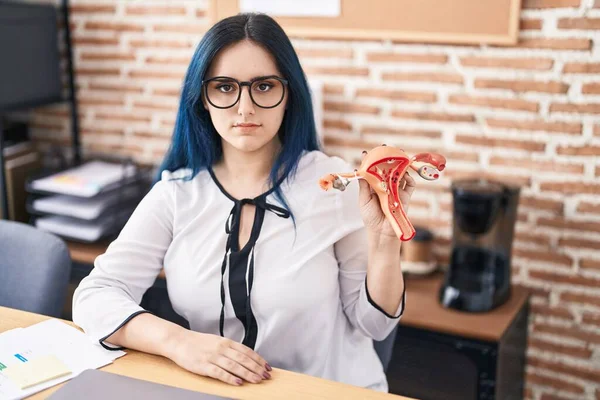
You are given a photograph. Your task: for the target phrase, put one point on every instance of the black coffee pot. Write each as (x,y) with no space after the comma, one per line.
(479,275)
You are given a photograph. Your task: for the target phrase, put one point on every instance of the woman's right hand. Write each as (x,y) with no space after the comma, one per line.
(218,357)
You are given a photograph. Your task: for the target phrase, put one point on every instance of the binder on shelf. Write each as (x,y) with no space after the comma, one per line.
(18,148)
(22,161)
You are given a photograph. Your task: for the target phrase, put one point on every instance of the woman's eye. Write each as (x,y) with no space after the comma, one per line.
(225,88)
(263,87)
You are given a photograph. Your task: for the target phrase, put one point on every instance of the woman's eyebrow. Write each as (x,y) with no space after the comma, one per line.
(256,78)
(263,77)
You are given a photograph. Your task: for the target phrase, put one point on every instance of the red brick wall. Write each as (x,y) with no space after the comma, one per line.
(529,114)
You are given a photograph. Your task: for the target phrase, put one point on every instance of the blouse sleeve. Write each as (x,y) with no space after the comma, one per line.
(110,295)
(351,252)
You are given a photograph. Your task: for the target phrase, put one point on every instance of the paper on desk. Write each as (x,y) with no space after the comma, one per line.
(61,334)
(51,337)
(10,333)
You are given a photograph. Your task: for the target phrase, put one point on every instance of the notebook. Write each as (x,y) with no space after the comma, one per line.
(36,371)
(93,384)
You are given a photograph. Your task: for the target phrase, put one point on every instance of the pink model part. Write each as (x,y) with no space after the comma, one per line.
(383,168)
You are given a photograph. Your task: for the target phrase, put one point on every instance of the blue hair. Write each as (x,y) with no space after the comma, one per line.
(196,144)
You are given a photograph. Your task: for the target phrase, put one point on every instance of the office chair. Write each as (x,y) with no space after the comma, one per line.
(35,268)
(385,348)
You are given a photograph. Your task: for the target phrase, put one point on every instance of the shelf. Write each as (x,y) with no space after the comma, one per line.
(424,311)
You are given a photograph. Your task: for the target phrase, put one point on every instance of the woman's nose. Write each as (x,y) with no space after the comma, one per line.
(245,106)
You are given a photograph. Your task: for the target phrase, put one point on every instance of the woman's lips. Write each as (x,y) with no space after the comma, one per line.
(246,127)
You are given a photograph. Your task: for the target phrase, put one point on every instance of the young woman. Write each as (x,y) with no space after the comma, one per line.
(266,267)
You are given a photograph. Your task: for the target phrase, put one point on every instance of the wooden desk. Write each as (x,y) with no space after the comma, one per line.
(157,369)
(427,313)
(87,253)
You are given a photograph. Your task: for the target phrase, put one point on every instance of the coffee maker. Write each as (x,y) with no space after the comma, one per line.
(479,275)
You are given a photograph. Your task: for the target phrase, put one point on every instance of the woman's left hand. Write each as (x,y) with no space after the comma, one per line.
(373,217)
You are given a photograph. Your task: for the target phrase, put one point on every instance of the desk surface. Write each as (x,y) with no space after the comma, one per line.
(423,308)
(86,253)
(424,311)
(157,369)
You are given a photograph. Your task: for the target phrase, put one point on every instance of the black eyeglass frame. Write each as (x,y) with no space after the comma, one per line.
(241,86)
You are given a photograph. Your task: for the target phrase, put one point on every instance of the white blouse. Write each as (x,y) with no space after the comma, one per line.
(309,310)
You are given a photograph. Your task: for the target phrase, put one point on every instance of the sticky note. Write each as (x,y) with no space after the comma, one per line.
(35,371)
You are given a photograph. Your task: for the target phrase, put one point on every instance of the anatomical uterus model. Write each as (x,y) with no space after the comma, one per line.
(383,168)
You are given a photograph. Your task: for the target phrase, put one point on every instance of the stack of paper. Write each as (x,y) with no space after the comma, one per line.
(87,231)
(85,208)
(89,202)
(87,180)
(43,355)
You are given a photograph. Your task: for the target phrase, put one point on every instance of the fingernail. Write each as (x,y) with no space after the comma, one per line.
(238,381)
(268,367)
(267,375)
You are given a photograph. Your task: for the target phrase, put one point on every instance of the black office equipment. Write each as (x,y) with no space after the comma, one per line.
(478,277)
(442,353)
(30,67)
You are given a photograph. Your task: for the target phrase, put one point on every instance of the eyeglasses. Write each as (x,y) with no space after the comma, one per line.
(225,92)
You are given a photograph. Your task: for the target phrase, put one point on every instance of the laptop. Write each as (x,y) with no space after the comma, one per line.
(93,384)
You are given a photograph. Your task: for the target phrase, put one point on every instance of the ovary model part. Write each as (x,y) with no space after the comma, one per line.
(383,168)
